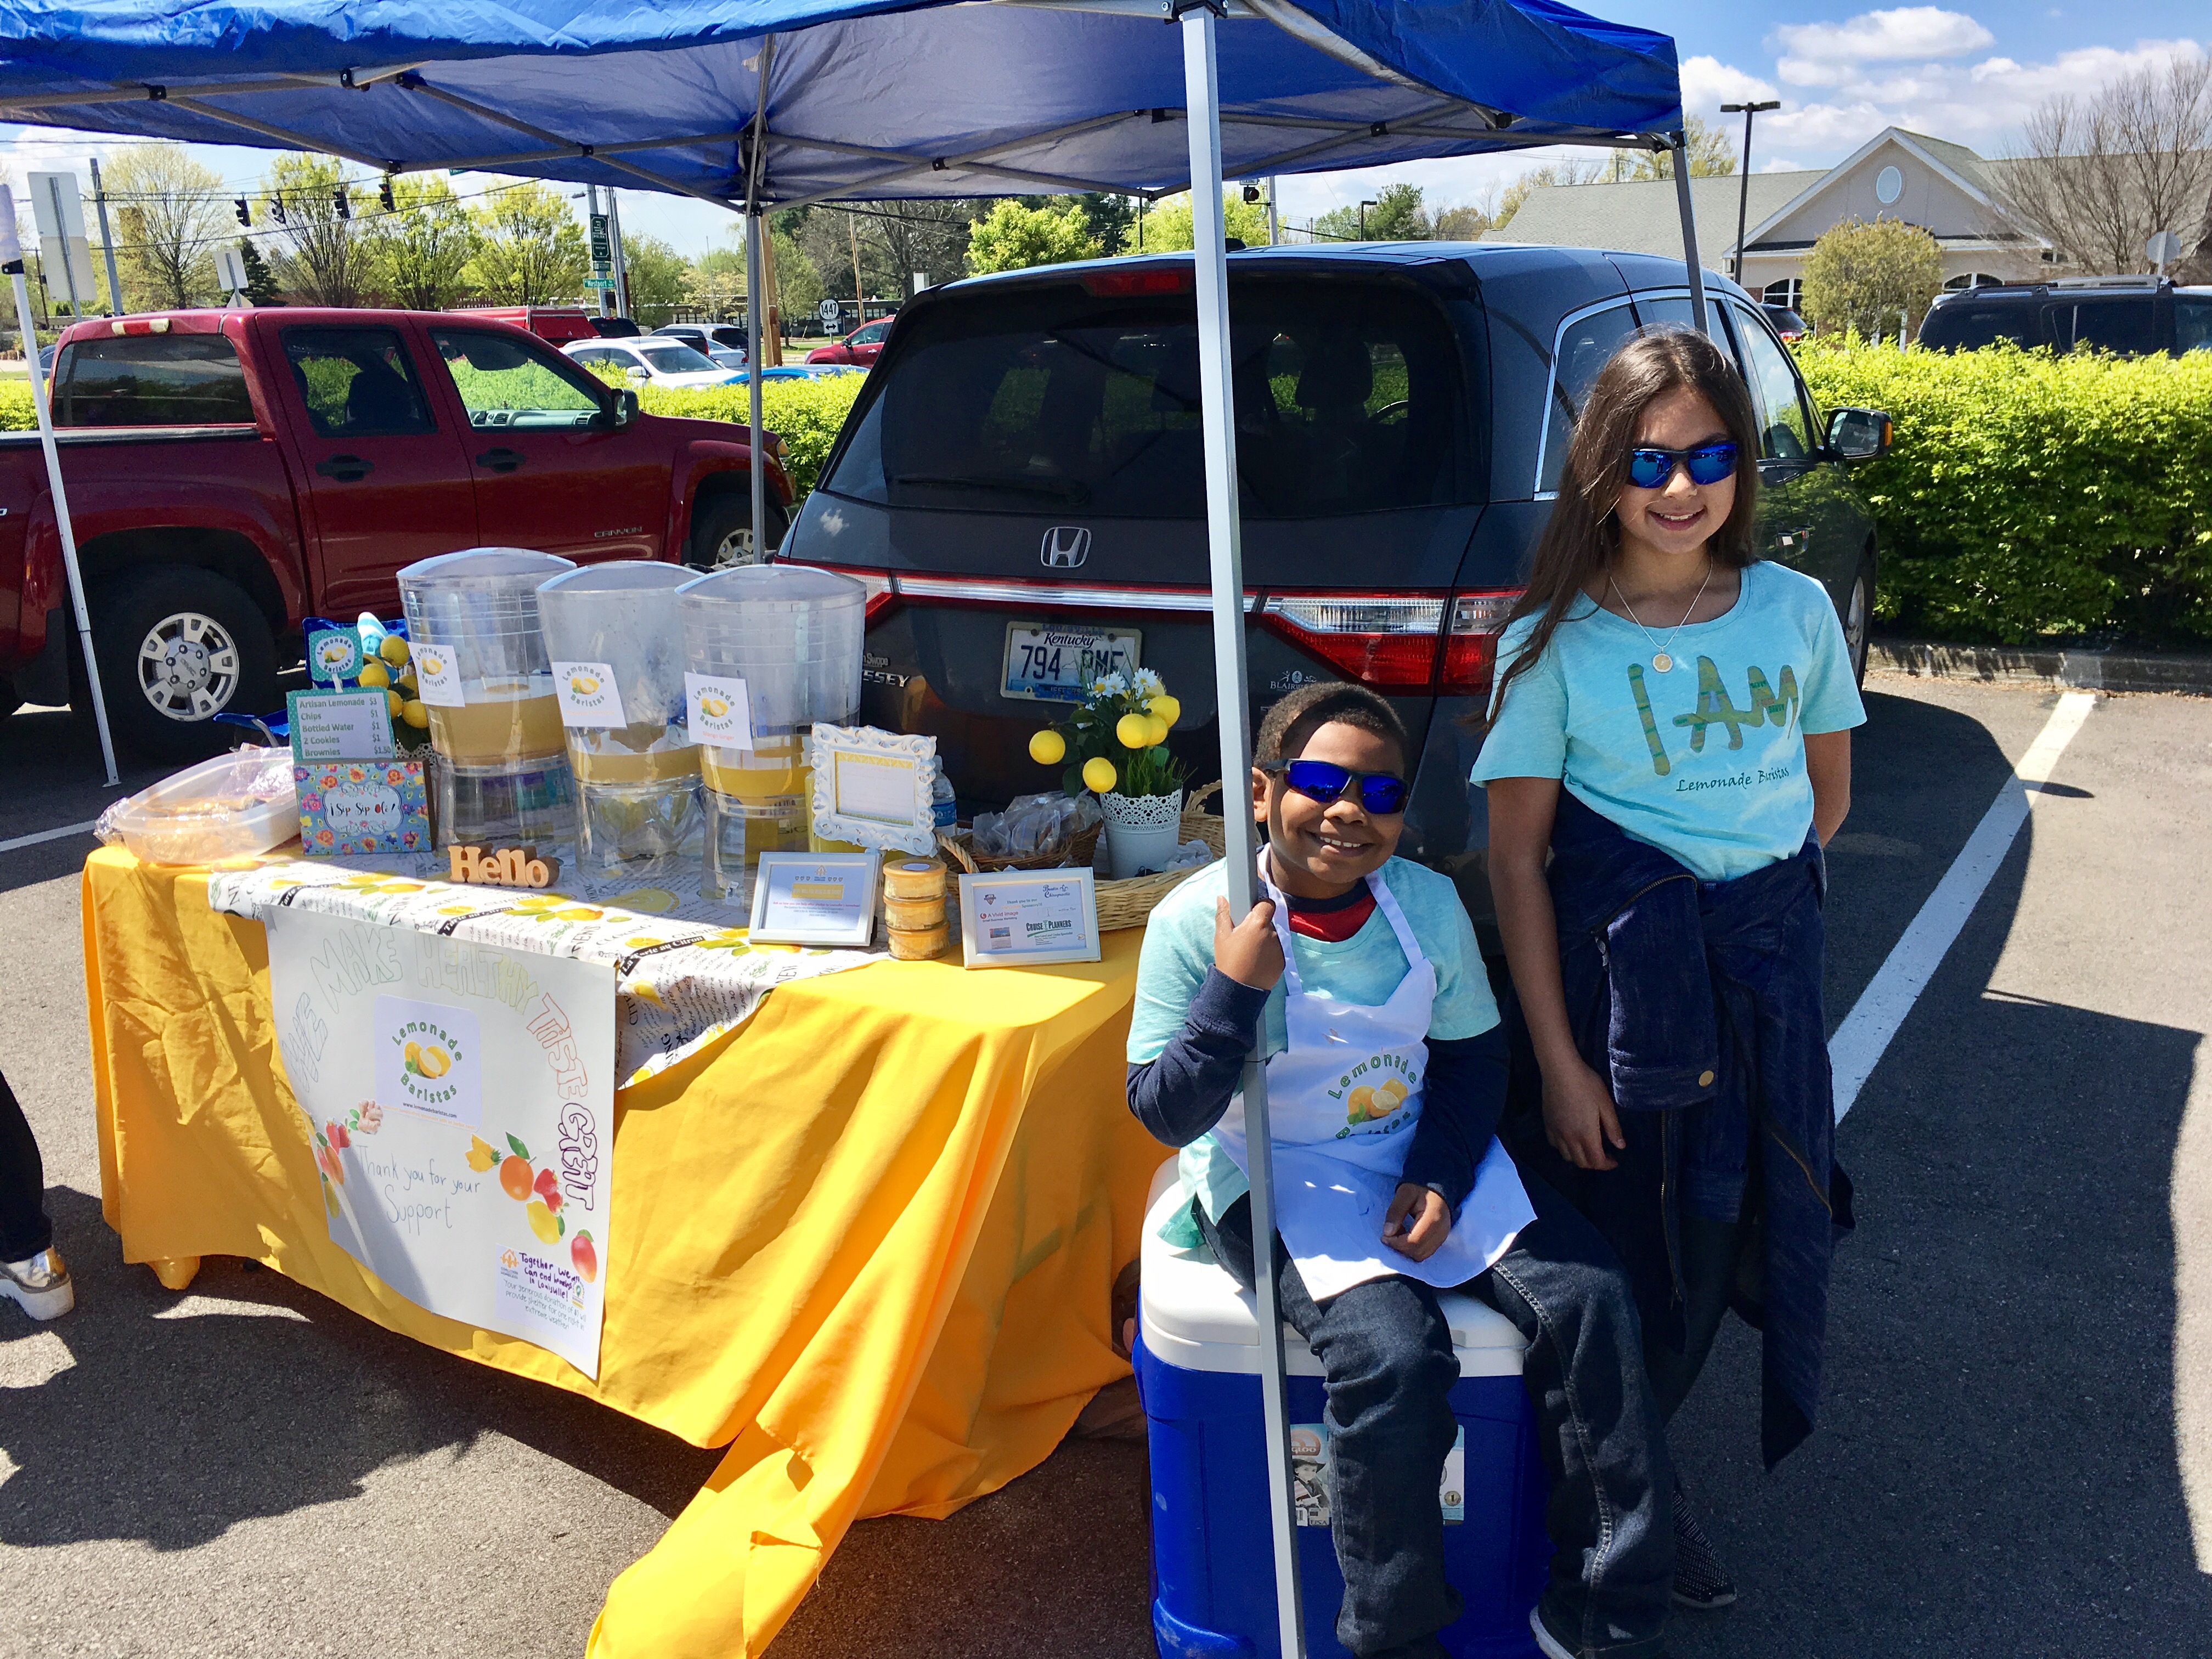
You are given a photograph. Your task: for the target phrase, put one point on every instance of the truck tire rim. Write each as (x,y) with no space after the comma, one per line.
(735,548)
(188,666)
(1854,623)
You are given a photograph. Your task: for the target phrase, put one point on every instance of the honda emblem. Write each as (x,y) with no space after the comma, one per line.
(1066,546)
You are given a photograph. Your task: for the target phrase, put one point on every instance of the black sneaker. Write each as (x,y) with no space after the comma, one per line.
(1552,1644)
(1700,1580)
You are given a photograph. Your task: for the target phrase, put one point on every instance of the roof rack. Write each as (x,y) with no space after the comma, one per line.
(2113,282)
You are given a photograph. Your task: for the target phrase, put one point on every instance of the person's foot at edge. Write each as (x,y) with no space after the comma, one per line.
(40,1282)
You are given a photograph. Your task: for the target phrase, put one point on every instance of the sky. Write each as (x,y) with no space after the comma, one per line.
(1970,75)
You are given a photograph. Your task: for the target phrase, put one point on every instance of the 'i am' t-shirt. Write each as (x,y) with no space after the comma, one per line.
(1704,761)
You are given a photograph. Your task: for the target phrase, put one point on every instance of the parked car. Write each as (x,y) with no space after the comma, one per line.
(231,472)
(862,346)
(1020,487)
(650,361)
(725,342)
(2131,315)
(616,328)
(1787,323)
(559,323)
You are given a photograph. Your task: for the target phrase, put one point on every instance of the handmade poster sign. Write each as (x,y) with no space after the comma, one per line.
(378,807)
(461,1099)
(815,898)
(872,787)
(1026,918)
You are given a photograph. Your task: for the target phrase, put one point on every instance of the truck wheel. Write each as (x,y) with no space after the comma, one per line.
(722,533)
(177,647)
(1858,619)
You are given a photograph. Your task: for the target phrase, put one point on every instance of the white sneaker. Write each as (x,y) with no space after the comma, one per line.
(42,1283)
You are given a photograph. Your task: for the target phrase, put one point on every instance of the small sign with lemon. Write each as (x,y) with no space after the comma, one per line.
(426,1059)
(587,695)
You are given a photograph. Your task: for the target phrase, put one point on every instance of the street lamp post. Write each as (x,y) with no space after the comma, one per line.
(1364,206)
(1743,187)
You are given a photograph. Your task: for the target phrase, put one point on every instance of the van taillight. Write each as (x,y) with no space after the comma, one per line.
(1389,640)
(1471,641)
(883,593)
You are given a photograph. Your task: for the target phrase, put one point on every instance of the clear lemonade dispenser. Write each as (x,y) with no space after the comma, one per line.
(501,771)
(616,649)
(770,650)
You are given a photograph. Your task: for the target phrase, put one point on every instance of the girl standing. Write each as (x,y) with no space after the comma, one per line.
(1672,728)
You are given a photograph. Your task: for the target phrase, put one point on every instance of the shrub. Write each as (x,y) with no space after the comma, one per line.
(2029,496)
(804,413)
(1861,277)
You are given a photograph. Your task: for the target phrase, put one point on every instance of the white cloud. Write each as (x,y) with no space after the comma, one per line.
(1906,32)
(1707,83)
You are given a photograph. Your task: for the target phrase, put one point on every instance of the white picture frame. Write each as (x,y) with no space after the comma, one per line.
(872,787)
(1058,926)
(784,913)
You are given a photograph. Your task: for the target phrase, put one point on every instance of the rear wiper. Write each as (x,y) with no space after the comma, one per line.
(1058,488)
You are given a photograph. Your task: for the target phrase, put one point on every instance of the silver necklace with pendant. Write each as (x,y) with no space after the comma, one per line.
(1662,657)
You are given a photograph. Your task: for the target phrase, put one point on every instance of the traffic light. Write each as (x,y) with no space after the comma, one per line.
(276,209)
(383,195)
(342,202)
(1251,192)
(245,213)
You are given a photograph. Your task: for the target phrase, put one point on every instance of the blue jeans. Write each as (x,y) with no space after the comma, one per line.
(1386,1358)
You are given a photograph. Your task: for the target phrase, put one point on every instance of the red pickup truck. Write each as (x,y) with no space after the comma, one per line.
(232,472)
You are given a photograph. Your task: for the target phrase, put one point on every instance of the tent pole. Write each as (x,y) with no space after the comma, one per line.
(1701,317)
(1224,547)
(757,357)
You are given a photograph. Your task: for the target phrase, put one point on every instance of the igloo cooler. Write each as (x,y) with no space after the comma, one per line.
(1198,1371)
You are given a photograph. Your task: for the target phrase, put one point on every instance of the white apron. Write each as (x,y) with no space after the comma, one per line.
(1342,1101)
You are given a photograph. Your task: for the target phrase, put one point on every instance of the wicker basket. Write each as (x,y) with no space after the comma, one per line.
(1120,903)
(959,847)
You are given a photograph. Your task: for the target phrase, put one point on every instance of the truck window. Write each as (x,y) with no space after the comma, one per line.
(506,382)
(1022,398)
(151,379)
(2192,322)
(357,382)
(2123,323)
(1971,325)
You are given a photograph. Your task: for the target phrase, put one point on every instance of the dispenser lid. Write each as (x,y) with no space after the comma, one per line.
(780,584)
(617,576)
(498,565)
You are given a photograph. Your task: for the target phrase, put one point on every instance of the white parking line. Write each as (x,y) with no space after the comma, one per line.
(45,834)
(1865,1034)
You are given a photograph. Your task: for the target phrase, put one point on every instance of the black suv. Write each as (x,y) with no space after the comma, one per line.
(2135,316)
(1020,486)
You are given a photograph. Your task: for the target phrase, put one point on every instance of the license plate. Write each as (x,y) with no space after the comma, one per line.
(1051,662)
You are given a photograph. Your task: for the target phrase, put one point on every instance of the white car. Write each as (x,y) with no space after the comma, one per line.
(648,362)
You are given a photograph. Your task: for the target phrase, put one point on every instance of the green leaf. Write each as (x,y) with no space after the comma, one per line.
(520,1151)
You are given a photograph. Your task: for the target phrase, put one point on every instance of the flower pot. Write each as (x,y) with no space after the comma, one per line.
(1142,831)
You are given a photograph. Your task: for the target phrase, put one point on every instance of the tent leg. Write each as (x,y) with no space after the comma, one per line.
(1224,547)
(755,358)
(1697,308)
(61,511)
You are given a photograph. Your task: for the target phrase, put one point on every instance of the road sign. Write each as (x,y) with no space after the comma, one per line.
(829,311)
(603,252)
(73,281)
(2162,250)
(230,272)
(55,203)
(598,281)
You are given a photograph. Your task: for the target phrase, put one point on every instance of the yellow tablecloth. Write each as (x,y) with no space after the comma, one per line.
(867,1240)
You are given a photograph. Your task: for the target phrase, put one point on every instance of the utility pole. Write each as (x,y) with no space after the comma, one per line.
(1364,206)
(859,304)
(621,265)
(107,243)
(1743,185)
(1274,224)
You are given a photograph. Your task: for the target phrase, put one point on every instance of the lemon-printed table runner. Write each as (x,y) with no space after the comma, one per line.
(680,981)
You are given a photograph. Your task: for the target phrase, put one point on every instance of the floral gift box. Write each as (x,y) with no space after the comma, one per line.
(363,806)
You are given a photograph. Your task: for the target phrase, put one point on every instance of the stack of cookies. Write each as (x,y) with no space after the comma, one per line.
(913,908)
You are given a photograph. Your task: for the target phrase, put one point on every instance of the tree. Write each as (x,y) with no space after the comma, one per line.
(261,288)
(2099,175)
(417,253)
(1712,153)
(530,249)
(836,242)
(1016,238)
(717,283)
(1167,225)
(1862,277)
(799,284)
(1464,223)
(1113,219)
(660,280)
(1395,215)
(171,216)
(1570,170)
(319,256)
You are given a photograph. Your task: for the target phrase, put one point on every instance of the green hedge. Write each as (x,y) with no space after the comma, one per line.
(804,413)
(2030,497)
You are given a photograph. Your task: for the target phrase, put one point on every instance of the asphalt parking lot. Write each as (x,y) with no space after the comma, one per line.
(2016,1457)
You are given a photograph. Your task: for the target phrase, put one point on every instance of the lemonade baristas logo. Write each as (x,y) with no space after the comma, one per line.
(587,695)
(429,1051)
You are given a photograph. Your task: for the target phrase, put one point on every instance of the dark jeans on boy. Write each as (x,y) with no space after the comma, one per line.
(1386,1354)
(24,1229)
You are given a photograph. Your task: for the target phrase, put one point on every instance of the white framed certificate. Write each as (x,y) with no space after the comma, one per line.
(872,787)
(816,898)
(1027,918)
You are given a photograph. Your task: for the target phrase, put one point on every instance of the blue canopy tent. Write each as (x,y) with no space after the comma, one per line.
(754,105)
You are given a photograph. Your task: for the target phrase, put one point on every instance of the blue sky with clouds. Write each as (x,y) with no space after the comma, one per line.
(1969,74)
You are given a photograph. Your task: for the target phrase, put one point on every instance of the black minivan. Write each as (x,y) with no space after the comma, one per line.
(2133,316)
(1020,485)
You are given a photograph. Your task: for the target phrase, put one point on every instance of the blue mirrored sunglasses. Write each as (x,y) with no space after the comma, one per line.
(1651,469)
(1380,792)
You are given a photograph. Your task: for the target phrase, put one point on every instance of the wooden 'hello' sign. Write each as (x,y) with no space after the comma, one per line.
(503,866)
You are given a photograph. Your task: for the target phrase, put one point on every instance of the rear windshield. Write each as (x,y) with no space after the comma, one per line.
(1973,324)
(1021,400)
(151,379)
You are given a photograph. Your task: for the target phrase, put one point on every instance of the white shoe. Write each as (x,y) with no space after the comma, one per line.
(42,1283)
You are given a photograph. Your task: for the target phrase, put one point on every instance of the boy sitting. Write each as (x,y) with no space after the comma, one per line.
(1385,1074)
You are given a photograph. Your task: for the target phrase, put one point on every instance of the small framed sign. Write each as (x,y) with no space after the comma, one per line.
(1026,918)
(328,725)
(872,787)
(815,898)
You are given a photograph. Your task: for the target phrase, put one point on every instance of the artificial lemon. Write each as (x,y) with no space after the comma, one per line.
(1158,728)
(1134,731)
(1047,747)
(393,650)
(1165,707)
(397,703)
(415,714)
(1099,774)
(376,674)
